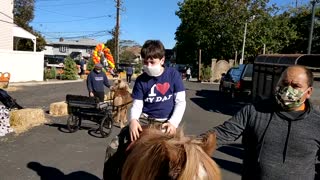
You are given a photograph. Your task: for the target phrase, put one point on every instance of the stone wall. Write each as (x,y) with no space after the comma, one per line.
(218,67)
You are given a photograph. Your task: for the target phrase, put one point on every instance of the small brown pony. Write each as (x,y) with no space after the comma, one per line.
(156,155)
(121,101)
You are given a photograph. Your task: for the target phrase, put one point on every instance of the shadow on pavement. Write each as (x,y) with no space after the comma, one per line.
(51,173)
(215,101)
(61,127)
(229,166)
(94,132)
(234,150)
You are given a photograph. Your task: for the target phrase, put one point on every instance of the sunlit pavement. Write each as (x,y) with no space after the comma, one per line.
(48,152)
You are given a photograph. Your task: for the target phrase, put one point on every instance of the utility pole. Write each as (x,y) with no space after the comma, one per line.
(313,3)
(244,42)
(199,67)
(117,33)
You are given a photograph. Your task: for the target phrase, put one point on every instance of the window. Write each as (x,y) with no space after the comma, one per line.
(89,50)
(63,49)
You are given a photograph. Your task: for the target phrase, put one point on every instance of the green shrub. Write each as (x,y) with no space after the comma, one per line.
(138,68)
(206,73)
(90,64)
(70,71)
(50,73)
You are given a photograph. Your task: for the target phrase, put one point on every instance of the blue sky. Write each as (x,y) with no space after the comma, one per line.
(140,19)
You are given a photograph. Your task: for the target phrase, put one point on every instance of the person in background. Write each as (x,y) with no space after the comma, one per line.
(82,63)
(188,73)
(129,72)
(96,81)
(280,135)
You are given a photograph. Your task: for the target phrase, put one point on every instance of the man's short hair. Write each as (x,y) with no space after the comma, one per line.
(98,66)
(309,76)
(152,49)
(307,71)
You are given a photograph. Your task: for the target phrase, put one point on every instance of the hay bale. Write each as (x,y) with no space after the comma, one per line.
(10,88)
(84,76)
(24,119)
(58,109)
(3,84)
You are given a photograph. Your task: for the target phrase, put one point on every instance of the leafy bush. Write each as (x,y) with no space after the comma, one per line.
(138,68)
(50,73)
(70,69)
(206,73)
(90,64)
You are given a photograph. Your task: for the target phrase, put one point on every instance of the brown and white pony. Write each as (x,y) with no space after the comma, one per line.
(156,155)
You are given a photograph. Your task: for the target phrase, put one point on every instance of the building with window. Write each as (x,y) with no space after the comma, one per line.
(73,48)
(22,65)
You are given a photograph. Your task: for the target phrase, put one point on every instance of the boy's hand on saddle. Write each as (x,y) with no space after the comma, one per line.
(169,128)
(135,129)
(91,94)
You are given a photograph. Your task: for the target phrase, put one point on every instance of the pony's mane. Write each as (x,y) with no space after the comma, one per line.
(156,155)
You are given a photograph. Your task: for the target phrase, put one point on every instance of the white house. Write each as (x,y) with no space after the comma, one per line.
(73,48)
(22,65)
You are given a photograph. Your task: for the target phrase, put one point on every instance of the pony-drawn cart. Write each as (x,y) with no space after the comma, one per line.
(89,108)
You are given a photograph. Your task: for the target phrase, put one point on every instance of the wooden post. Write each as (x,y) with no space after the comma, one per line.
(199,78)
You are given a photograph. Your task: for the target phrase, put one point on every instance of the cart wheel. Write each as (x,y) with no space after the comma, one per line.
(73,123)
(106,126)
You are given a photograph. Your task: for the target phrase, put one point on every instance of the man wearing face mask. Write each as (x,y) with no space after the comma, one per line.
(96,81)
(158,95)
(281,135)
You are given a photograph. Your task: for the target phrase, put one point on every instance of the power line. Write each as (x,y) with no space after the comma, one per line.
(48,0)
(6,15)
(84,19)
(95,34)
(70,4)
(71,32)
(77,37)
(54,12)
(6,21)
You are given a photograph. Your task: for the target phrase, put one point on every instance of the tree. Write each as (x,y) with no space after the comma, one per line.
(212,26)
(301,18)
(275,32)
(127,56)
(217,27)
(23,12)
(111,45)
(70,69)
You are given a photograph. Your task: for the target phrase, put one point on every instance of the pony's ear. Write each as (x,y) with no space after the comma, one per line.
(209,143)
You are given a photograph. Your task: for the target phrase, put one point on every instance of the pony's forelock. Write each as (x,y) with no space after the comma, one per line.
(157,155)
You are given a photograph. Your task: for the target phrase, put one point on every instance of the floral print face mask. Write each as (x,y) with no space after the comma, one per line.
(288,97)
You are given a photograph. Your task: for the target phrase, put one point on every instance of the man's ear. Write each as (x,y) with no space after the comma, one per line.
(309,92)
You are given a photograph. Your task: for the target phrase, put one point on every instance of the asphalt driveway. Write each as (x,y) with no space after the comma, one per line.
(50,152)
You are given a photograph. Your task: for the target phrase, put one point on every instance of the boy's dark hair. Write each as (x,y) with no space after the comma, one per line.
(152,49)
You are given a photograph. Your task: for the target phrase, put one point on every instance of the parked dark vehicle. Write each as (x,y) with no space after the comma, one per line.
(237,81)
